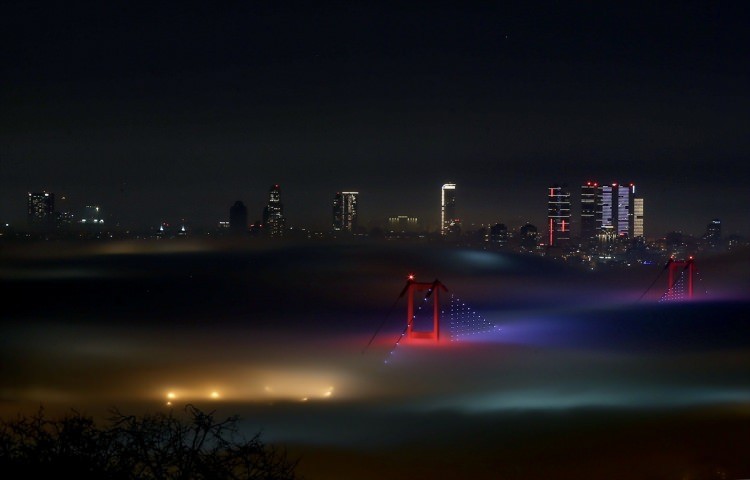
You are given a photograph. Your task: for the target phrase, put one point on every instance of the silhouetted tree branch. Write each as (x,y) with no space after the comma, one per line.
(155,446)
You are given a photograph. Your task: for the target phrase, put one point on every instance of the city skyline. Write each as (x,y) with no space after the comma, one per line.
(151,108)
(584,207)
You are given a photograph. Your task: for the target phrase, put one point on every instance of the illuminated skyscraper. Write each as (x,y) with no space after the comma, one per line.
(638,217)
(273,213)
(558,215)
(591,208)
(345,211)
(448,218)
(41,209)
(622,211)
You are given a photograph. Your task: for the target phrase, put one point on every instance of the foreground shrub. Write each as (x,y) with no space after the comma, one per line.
(153,446)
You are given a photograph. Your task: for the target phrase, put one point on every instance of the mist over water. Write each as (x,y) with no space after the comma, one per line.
(303,341)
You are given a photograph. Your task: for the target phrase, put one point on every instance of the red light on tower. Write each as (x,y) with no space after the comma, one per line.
(410,276)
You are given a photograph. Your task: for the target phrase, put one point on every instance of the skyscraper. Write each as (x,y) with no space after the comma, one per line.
(345,211)
(611,211)
(713,234)
(591,209)
(638,230)
(273,213)
(238,218)
(498,235)
(622,211)
(41,209)
(558,215)
(448,218)
(529,237)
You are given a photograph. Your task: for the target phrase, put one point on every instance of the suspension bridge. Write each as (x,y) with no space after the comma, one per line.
(684,281)
(428,321)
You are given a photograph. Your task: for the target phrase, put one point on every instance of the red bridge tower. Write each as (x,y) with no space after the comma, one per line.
(676,267)
(433,289)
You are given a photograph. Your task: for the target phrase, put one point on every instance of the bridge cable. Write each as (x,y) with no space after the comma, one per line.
(661,272)
(403,332)
(386,318)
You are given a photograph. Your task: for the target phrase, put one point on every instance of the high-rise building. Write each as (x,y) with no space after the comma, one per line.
(498,235)
(41,209)
(273,213)
(610,211)
(529,237)
(238,217)
(713,234)
(622,211)
(591,208)
(638,230)
(345,213)
(448,218)
(558,215)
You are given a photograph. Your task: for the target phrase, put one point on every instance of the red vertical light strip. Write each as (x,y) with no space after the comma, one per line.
(550,231)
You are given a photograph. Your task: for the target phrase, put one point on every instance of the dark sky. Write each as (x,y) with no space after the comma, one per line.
(169,111)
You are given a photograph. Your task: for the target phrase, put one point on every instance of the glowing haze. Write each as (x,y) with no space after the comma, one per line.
(280,335)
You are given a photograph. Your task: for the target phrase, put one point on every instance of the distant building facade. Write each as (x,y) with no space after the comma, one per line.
(92,215)
(345,211)
(403,223)
(238,218)
(713,235)
(611,211)
(558,215)
(591,211)
(622,211)
(273,213)
(528,237)
(498,235)
(41,209)
(448,219)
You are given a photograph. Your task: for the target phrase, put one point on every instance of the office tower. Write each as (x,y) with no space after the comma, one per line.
(345,211)
(591,208)
(273,213)
(713,234)
(238,217)
(41,209)
(637,217)
(529,237)
(498,235)
(448,218)
(558,215)
(622,211)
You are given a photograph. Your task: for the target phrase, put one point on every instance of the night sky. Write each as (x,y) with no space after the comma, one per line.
(162,112)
